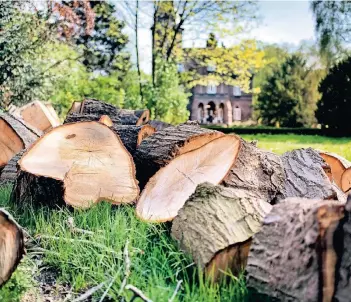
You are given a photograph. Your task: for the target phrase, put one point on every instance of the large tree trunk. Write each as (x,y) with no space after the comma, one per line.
(15,135)
(259,172)
(78,164)
(8,174)
(39,115)
(306,177)
(215,227)
(337,164)
(159,149)
(11,246)
(131,135)
(126,116)
(183,157)
(294,256)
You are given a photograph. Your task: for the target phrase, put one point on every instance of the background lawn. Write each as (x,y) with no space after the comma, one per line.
(81,261)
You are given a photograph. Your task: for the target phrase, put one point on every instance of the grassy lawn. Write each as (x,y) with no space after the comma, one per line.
(80,261)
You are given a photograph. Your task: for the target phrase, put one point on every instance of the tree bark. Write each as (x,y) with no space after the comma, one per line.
(159,125)
(90,117)
(259,172)
(159,149)
(215,227)
(306,178)
(8,174)
(15,135)
(293,257)
(11,247)
(77,164)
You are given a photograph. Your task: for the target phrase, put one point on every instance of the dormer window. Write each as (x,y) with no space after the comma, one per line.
(236,91)
(211,89)
(211,68)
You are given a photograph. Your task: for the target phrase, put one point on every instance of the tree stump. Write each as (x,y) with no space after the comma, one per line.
(15,135)
(294,256)
(306,178)
(215,226)
(183,158)
(11,246)
(337,164)
(259,172)
(78,164)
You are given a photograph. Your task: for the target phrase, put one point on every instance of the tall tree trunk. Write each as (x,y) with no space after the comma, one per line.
(137,49)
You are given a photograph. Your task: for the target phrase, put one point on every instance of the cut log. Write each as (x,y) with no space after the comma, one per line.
(306,178)
(126,116)
(8,174)
(215,227)
(159,149)
(11,246)
(337,164)
(38,115)
(15,135)
(159,125)
(130,135)
(259,172)
(83,117)
(294,256)
(79,164)
(346,180)
(166,192)
(75,108)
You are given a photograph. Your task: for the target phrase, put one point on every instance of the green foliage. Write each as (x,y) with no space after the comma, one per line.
(333,26)
(286,99)
(167,100)
(21,40)
(335,104)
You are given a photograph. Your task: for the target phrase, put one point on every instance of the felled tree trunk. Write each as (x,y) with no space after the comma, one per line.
(8,174)
(15,135)
(306,178)
(215,227)
(88,117)
(75,107)
(126,116)
(39,115)
(183,157)
(259,172)
(130,135)
(337,164)
(11,246)
(159,125)
(294,256)
(78,164)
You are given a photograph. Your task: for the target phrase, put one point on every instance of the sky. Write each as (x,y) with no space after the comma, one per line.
(282,22)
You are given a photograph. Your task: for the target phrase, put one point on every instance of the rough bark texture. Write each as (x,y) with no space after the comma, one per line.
(306,178)
(292,257)
(214,219)
(9,172)
(126,116)
(11,246)
(337,165)
(90,117)
(27,134)
(159,149)
(159,125)
(37,190)
(257,171)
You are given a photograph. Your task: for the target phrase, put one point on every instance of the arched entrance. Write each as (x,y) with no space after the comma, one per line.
(211,112)
(200,113)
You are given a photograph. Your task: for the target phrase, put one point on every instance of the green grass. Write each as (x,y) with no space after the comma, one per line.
(282,143)
(82,261)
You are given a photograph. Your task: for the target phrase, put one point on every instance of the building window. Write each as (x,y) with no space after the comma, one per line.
(237,113)
(236,91)
(211,89)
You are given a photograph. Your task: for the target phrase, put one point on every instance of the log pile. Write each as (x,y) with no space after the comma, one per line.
(231,204)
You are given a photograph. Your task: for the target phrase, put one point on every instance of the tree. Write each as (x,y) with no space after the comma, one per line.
(285,98)
(335,104)
(103,45)
(333,26)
